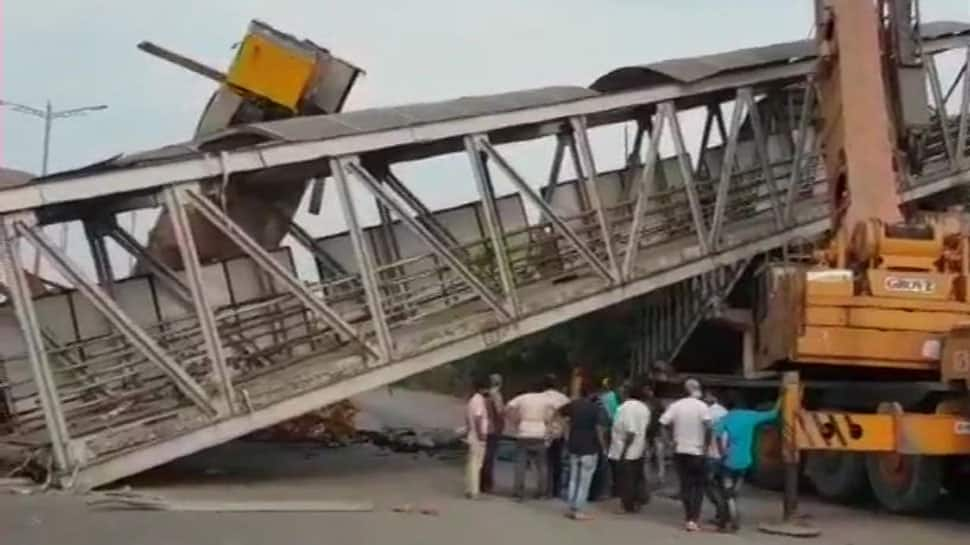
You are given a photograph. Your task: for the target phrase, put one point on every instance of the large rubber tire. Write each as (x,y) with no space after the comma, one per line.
(905,483)
(768,469)
(957,478)
(839,476)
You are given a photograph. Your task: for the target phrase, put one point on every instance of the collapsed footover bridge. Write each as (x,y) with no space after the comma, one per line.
(117,375)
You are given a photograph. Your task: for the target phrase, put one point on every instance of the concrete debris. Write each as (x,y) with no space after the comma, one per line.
(409,440)
(332,425)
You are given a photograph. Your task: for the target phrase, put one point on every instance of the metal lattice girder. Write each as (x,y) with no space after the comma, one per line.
(365,261)
(19,293)
(644,185)
(544,207)
(167,278)
(200,300)
(936,89)
(728,165)
(436,245)
(668,110)
(423,215)
(795,178)
(588,173)
(265,261)
(964,113)
(761,146)
(493,225)
(113,313)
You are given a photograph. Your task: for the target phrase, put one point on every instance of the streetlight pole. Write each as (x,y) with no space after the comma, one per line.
(48,114)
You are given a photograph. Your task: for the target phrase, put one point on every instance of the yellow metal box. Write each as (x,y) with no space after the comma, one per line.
(272,70)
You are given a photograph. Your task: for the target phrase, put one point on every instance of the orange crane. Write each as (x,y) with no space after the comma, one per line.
(888,298)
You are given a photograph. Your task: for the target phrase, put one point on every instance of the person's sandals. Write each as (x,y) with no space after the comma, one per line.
(691,526)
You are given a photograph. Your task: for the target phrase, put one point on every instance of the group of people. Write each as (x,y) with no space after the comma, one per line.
(712,444)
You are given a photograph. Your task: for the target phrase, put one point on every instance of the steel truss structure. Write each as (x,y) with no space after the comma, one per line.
(119,375)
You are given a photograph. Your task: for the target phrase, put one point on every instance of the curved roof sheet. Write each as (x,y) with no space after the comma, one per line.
(691,69)
(322,127)
(10,177)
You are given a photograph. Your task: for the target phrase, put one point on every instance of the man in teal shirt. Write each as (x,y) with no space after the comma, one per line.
(734,434)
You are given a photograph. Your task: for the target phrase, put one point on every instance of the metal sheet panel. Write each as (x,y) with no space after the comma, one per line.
(56,317)
(136,298)
(90,322)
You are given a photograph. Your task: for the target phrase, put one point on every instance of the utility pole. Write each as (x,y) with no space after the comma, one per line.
(48,114)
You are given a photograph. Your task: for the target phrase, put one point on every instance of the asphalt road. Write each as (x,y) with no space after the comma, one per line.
(264,471)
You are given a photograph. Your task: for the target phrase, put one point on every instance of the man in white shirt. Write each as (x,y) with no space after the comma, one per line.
(531,414)
(690,420)
(556,431)
(627,449)
(477,421)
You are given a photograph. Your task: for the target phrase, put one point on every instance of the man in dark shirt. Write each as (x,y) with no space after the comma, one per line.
(587,425)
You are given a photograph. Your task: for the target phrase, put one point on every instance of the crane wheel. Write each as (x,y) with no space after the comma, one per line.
(905,483)
(839,476)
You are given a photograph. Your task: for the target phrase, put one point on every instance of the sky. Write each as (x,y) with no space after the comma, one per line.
(78,53)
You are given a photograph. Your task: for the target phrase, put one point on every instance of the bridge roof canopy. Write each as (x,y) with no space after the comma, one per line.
(691,69)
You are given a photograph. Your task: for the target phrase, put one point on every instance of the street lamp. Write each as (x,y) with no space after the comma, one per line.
(48,114)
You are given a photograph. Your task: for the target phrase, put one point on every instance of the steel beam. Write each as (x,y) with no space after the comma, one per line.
(705,137)
(99,254)
(668,110)
(644,185)
(761,145)
(436,245)
(941,116)
(795,178)
(265,261)
(588,165)
(493,224)
(550,214)
(113,313)
(728,164)
(962,147)
(40,367)
(422,213)
(365,261)
(333,267)
(555,168)
(167,278)
(185,241)
(582,195)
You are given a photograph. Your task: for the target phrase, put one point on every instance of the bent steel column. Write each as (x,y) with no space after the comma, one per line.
(365,261)
(40,368)
(486,193)
(200,300)
(113,313)
(265,261)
